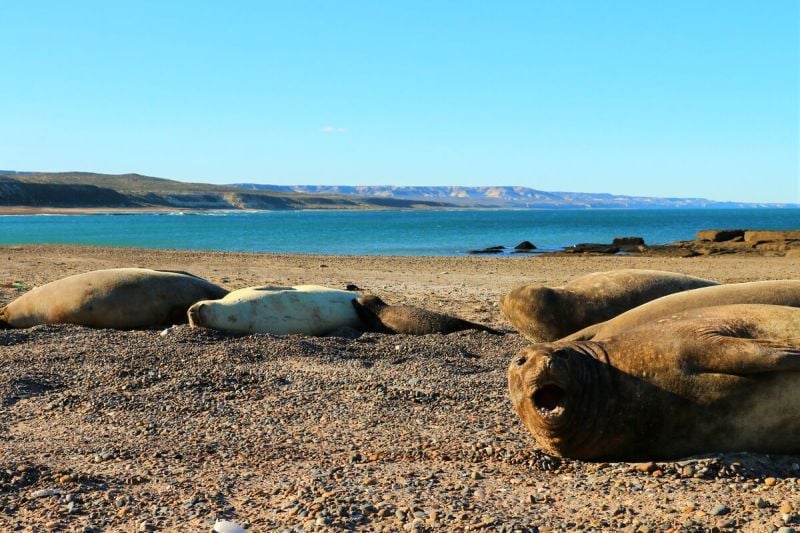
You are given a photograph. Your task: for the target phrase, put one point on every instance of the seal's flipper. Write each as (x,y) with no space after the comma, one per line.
(742,356)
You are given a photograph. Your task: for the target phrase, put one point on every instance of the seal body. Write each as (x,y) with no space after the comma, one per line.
(118,298)
(378,316)
(785,292)
(546,314)
(714,379)
(304,309)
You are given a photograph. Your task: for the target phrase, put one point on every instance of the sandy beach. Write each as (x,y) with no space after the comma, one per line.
(105,430)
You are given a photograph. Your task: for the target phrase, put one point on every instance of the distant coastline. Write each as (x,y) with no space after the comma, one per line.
(91,193)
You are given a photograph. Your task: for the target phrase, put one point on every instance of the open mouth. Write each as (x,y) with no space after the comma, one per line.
(549,399)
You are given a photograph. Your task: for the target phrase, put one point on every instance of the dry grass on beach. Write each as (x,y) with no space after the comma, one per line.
(139,431)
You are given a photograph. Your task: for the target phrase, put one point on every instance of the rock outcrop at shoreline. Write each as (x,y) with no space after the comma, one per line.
(707,242)
(729,241)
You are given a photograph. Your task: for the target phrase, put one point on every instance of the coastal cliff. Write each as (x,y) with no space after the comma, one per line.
(133,191)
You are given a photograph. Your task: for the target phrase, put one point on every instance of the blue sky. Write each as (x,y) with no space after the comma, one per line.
(678,98)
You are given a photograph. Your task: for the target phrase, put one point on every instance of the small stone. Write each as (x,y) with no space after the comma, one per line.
(323,520)
(43,493)
(224,526)
(53,524)
(761,503)
(646,467)
(476,475)
(720,510)
(770,481)
(146,526)
(785,507)
(725,524)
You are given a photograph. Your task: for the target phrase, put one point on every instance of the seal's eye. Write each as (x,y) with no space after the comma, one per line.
(521,360)
(548,398)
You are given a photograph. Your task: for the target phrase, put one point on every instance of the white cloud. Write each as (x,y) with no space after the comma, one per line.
(332,129)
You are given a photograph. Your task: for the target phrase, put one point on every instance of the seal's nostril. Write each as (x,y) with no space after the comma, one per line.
(521,360)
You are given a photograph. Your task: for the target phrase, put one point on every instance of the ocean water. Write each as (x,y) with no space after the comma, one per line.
(383,232)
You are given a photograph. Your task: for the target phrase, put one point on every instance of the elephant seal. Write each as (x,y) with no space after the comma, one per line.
(785,292)
(118,298)
(380,317)
(546,314)
(304,309)
(715,379)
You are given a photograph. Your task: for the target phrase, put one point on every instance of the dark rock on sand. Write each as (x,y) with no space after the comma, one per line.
(489,250)
(592,248)
(720,235)
(628,241)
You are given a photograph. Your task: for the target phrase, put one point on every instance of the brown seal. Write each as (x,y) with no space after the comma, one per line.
(118,298)
(380,317)
(546,314)
(783,292)
(716,379)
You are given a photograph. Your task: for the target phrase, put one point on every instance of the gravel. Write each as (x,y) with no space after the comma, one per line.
(105,430)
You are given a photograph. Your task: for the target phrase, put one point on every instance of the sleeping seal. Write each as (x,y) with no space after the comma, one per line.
(380,317)
(786,292)
(546,314)
(118,298)
(714,379)
(305,309)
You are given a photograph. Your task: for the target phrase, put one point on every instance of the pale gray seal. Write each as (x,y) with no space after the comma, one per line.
(304,309)
(378,316)
(118,298)
(784,292)
(716,379)
(546,314)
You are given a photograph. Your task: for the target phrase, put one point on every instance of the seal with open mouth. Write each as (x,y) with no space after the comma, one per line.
(714,379)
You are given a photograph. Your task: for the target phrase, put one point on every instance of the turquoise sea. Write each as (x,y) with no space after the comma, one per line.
(383,232)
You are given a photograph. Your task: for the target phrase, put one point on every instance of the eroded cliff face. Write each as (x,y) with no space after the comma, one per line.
(14,193)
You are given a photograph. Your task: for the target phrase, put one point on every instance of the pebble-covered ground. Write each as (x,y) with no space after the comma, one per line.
(173,430)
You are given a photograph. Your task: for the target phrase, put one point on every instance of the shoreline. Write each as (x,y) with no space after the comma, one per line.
(31,210)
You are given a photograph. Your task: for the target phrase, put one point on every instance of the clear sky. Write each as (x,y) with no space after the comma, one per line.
(644,97)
